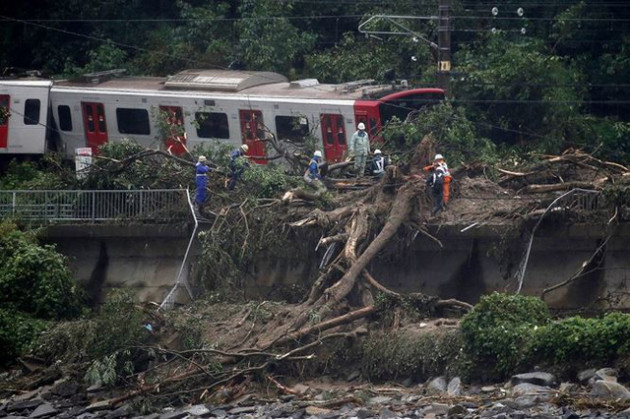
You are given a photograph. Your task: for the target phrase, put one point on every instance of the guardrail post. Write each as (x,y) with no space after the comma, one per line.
(13,205)
(93,205)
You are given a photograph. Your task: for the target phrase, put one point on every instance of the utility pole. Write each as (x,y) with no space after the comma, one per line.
(444,47)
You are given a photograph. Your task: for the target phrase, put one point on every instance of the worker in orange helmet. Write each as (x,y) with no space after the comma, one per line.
(440,182)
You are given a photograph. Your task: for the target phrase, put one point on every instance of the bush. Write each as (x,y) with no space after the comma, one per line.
(35,279)
(17,331)
(390,357)
(496,330)
(576,343)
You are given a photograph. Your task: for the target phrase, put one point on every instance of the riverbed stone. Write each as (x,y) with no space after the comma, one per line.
(380,400)
(528,388)
(437,385)
(44,410)
(585,375)
(242,410)
(604,374)
(454,387)
(314,410)
(609,390)
(538,378)
(178,414)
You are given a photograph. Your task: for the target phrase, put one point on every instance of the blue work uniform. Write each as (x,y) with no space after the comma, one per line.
(237,166)
(201,179)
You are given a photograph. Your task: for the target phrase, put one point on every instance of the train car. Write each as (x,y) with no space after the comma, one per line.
(24,117)
(235,107)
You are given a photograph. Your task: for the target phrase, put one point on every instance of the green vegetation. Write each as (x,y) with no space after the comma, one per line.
(103,345)
(496,330)
(35,285)
(418,356)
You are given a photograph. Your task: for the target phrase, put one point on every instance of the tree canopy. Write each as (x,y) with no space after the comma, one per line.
(542,75)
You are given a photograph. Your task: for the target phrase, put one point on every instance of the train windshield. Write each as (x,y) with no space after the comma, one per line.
(401,104)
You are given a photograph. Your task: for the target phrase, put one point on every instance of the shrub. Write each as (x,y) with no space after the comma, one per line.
(575,343)
(35,279)
(390,357)
(17,331)
(496,330)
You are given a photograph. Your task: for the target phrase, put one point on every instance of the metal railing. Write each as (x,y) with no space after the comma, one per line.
(150,206)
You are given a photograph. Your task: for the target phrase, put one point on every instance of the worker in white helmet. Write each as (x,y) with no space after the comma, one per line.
(313,176)
(238,164)
(360,147)
(378,164)
(201,181)
(439,180)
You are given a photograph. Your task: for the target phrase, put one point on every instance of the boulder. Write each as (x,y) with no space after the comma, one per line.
(437,386)
(609,390)
(525,389)
(585,375)
(537,378)
(44,410)
(454,387)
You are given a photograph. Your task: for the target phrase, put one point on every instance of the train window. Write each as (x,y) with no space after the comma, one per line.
(101,118)
(294,128)
(31,111)
(212,125)
(65,118)
(4,109)
(133,121)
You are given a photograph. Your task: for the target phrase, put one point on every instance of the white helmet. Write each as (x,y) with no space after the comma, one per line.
(202,159)
(361,126)
(377,151)
(438,157)
(317,153)
(245,148)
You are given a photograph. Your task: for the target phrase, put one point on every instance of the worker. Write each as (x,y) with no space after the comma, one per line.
(360,147)
(439,180)
(201,179)
(313,176)
(378,164)
(238,164)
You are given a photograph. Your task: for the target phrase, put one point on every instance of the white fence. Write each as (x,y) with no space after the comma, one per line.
(149,206)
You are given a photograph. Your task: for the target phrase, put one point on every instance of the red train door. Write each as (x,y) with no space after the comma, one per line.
(334,136)
(94,124)
(252,130)
(176,140)
(367,112)
(5,101)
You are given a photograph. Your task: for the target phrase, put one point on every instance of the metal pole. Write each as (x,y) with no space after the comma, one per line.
(444,47)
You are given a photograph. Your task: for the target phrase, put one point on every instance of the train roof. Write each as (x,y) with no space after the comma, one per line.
(229,83)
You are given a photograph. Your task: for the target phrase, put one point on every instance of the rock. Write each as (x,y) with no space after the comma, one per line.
(488,389)
(178,414)
(524,389)
(44,410)
(567,387)
(353,375)
(584,376)
(363,414)
(609,390)
(300,388)
(437,386)
(457,410)
(122,412)
(385,413)
(380,400)
(198,410)
(65,388)
(604,374)
(241,410)
(219,413)
(454,387)
(94,388)
(100,405)
(23,405)
(538,378)
(314,410)
(436,409)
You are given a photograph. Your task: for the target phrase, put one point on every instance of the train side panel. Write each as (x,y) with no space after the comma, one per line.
(206,118)
(24,116)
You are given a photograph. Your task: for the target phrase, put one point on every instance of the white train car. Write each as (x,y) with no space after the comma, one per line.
(221,105)
(24,122)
